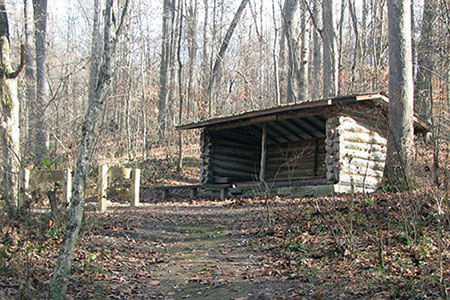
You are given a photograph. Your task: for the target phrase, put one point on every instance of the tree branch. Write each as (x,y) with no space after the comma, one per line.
(13,75)
(313,19)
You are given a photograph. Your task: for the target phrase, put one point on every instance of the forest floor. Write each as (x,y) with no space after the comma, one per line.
(382,245)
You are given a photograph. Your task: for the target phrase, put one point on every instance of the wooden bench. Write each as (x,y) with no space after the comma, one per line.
(223,189)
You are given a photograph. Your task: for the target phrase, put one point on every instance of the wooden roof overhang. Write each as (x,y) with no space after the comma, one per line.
(288,116)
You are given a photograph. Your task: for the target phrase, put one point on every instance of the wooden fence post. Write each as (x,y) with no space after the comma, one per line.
(102,187)
(135,186)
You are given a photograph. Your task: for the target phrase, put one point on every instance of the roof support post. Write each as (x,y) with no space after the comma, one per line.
(262,171)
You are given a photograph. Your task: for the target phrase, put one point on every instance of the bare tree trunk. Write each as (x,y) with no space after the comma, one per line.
(9,118)
(59,281)
(192,50)
(221,54)
(330,59)
(425,63)
(275,59)
(352,10)
(289,8)
(303,91)
(317,58)
(30,68)
(340,42)
(95,50)
(164,71)
(180,86)
(399,169)
(41,138)
(204,64)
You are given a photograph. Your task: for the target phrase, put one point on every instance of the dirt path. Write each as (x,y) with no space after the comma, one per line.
(208,251)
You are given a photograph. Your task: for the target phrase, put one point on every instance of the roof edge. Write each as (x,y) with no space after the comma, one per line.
(381,97)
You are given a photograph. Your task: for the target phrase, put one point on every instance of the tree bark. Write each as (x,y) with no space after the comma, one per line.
(275,59)
(330,53)
(95,50)
(180,86)
(303,90)
(289,8)
(59,281)
(41,138)
(352,11)
(425,63)
(317,57)
(221,54)
(9,118)
(192,50)
(30,71)
(164,71)
(399,169)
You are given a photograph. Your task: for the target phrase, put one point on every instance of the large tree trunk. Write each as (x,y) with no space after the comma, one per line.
(164,70)
(317,57)
(289,8)
(58,284)
(400,150)
(41,138)
(425,62)
(303,90)
(9,118)
(330,53)
(192,50)
(30,71)
(219,59)
(275,59)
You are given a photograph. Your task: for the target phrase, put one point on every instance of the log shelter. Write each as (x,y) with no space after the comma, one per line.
(324,146)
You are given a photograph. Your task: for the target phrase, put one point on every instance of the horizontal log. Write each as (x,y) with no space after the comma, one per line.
(234,159)
(291,173)
(292,178)
(305,142)
(351,154)
(363,138)
(120,172)
(290,166)
(294,159)
(363,171)
(350,158)
(374,165)
(235,145)
(234,166)
(370,120)
(233,174)
(321,171)
(243,153)
(293,152)
(240,138)
(372,181)
(371,148)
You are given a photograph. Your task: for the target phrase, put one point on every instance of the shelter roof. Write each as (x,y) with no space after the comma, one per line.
(375,98)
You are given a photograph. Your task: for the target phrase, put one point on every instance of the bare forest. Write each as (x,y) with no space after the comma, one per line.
(90,83)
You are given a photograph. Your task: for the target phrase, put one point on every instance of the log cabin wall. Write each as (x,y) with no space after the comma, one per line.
(230,155)
(297,160)
(356,151)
